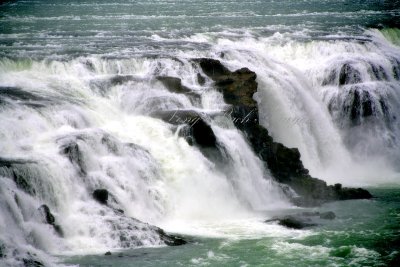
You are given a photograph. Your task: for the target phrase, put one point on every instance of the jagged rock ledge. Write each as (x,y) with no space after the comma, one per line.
(238,88)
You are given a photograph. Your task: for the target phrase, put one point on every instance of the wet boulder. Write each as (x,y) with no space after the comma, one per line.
(198,131)
(101,196)
(50,219)
(212,67)
(293,221)
(170,240)
(352,193)
(303,219)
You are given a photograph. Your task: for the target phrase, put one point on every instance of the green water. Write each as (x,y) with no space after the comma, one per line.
(364,233)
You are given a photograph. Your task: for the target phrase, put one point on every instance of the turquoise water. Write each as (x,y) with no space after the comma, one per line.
(364,233)
(125,28)
(62,58)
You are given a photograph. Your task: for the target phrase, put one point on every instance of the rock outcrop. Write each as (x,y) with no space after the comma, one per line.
(238,88)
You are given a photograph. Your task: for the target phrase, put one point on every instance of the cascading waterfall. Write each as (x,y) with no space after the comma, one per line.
(335,100)
(92,158)
(69,128)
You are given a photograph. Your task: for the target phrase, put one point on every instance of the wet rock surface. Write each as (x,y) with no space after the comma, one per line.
(198,131)
(50,219)
(303,220)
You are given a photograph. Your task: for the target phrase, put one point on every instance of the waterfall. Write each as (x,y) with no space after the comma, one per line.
(334,99)
(72,127)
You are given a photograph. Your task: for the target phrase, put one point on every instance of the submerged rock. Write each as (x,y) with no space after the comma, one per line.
(108,253)
(173,84)
(101,195)
(329,215)
(295,222)
(238,89)
(171,240)
(303,220)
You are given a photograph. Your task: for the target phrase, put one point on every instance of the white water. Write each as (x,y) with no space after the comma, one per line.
(294,102)
(152,173)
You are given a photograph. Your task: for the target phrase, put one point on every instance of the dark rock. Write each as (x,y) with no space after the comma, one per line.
(337,187)
(203,134)
(75,155)
(304,219)
(48,215)
(200,79)
(238,88)
(212,67)
(170,240)
(378,72)
(17,169)
(198,130)
(329,215)
(173,84)
(353,193)
(108,253)
(295,222)
(32,263)
(120,211)
(101,195)
(121,79)
(23,97)
(2,251)
(50,219)
(349,75)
